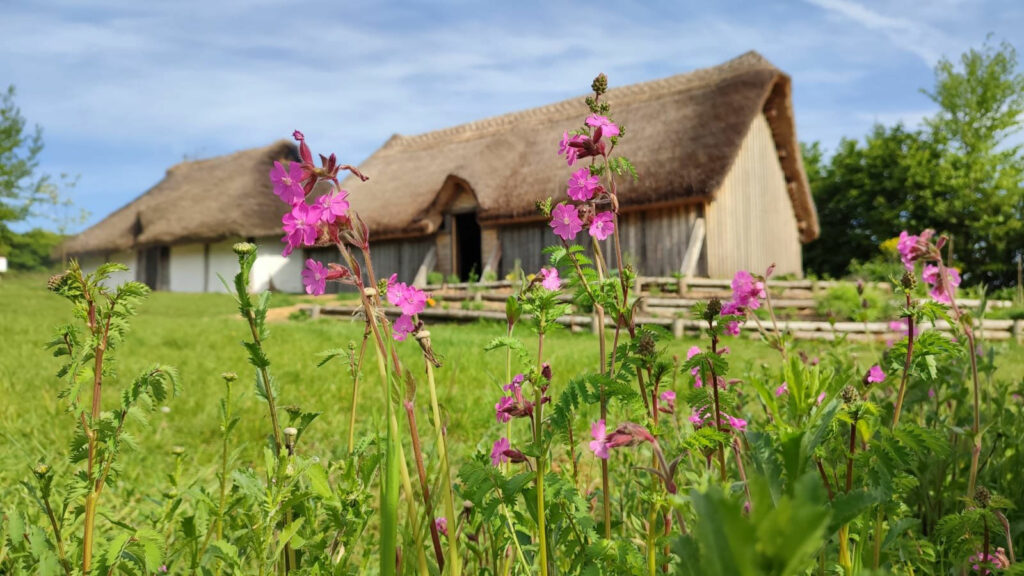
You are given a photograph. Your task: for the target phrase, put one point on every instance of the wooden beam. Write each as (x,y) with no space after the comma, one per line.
(493,259)
(693,249)
(425,267)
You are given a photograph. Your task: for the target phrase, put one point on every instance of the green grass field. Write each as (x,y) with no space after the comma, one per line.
(200,334)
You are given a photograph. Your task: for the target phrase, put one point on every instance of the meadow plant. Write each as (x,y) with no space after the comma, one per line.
(851,462)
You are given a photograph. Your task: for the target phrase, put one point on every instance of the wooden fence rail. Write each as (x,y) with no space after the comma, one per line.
(801,329)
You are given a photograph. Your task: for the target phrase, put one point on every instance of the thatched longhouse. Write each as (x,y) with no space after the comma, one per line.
(721,188)
(178,235)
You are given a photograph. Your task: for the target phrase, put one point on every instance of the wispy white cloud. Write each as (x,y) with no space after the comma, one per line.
(910,34)
(141,84)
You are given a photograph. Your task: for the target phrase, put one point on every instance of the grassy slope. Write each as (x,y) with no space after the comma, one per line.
(200,334)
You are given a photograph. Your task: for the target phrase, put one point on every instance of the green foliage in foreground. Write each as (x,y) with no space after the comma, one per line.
(168,503)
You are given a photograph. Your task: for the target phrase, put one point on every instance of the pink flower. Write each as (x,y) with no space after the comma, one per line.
(498,451)
(300,227)
(905,246)
(598,445)
(697,418)
(410,299)
(737,424)
(549,279)
(441,524)
(912,248)
(607,127)
(582,185)
(942,291)
(334,206)
(821,398)
(314,277)
(875,374)
(571,152)
(996,559)
(288,183)
(627,434)
(565,221)
(602,225)
(784,389)
(733,328)
(695,371)
(931,393)
(668,402)
(502,408)
(403,327)
(747,292)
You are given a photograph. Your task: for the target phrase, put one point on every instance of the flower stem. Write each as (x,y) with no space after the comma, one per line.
(538,441)
(424,486)
(906,367)
(455,563)
(973,355)
(355,392)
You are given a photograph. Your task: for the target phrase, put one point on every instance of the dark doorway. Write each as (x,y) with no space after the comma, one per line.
(154,267)
(467,245)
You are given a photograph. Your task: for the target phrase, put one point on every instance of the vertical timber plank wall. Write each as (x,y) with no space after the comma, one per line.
(402,257)
(653,241)
(750,223)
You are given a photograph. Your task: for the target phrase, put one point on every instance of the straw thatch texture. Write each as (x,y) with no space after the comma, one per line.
(201,201)
(683,134)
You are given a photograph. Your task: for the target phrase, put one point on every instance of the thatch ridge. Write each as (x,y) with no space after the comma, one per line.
(683,133)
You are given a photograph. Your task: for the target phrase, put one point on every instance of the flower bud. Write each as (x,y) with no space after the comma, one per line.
(42,470)
(545,371)
(177,450)
(849,395)
(229,376)
(600,84)
(647,346)
(982,496)
(243,248)
(908,281)
(54,283)
(713,310)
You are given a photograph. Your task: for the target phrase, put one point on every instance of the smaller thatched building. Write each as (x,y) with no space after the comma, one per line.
(721,188)
(178,235)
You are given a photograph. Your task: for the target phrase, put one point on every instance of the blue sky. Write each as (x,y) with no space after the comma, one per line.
(125,89)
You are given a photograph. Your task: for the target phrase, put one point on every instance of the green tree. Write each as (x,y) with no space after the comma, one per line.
(958,174)
(867,192)
(980,106)
(21,186)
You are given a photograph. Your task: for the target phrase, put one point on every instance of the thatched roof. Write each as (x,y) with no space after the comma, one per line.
(200,201)
(683,134)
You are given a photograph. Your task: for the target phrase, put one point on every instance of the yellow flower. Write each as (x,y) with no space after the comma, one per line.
(431,302)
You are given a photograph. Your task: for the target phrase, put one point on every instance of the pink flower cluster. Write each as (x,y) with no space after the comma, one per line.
(549,279)
(627,434)
(502,452)
(919,247)
(981,563)
(695,371)
(292,184)
(514,405)
(584,187)
(668,402)
(702,416)
(943,289)
(914,247)
(410,300)
(747,293)
(875,375)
